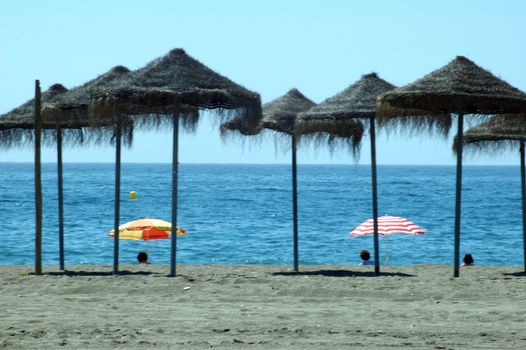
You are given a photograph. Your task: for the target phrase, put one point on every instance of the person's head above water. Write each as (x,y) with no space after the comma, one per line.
(364,254)
(142,258)
(468,259)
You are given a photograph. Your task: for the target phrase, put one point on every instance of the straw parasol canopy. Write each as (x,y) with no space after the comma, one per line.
(356,101)
(460,87)
(499,133)
(502,132)
(175,83)
(239,126)
(278,114)
(177,86)
(336,116)
(75,103)
(17,126)
(74,106)
(64,117)
(67,110)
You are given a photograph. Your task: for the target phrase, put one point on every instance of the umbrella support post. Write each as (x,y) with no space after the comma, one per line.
(60,199)
(117,193)
(386,249)
(460,144)
(375,196)
(175,170)
(295,203)
(38,181)
(523,190)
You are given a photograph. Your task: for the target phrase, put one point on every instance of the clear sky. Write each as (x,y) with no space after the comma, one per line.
(268,46)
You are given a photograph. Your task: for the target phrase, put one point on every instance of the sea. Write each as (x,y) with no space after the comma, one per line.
(242,214)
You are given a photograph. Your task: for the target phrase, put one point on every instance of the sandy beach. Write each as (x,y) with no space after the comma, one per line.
(262,307)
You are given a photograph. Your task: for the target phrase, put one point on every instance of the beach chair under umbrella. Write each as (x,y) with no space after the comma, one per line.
(461,88)
(497,134)
(174,85)
(334,117)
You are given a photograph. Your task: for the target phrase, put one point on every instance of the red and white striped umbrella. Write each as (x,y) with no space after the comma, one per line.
(388,225)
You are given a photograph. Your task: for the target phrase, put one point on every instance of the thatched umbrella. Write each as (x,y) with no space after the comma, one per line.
(17,128)
(38,179)
(279,115)
(74,126)
(64,119)
(499,133)
(335,118)
(175,84)
(462,88)
(74,105)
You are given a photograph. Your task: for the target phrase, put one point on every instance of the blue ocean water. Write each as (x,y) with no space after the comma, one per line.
(239,214)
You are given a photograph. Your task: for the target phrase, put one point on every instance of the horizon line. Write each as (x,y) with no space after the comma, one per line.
(321,164)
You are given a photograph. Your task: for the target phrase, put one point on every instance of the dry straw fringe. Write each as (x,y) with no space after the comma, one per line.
(411,125)
(279,116)
(338,121)
(496,135)
(171,83)
(343,134)
(460,87)
(491,149)
(16,126)
(21,138)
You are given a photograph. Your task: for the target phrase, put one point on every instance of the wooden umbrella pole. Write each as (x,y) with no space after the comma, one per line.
(117,193)
(295,204)
(60,199)
(523,188)
(460,144)
(38,181)
(175,174)
(386,249)
(375,196)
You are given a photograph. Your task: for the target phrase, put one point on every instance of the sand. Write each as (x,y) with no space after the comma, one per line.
(263,307)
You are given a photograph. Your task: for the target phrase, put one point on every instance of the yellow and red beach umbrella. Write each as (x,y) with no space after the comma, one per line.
(146,229)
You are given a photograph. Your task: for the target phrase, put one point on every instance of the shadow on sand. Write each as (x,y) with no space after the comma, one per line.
(340,273)
(98,273)
(516,274)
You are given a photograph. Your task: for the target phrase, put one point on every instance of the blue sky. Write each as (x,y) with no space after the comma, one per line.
(270,46)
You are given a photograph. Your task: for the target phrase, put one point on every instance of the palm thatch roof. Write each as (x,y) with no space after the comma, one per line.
(278,114)
(176,83)
(460,87)
(239,125)
(16,126)
(63,108)
(356,101)
(335,118)
(74,103)
(346,133)
(498,133)
(73,106)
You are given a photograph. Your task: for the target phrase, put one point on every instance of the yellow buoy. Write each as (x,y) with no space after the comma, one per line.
(133,195)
